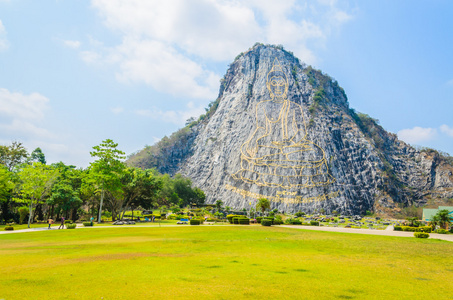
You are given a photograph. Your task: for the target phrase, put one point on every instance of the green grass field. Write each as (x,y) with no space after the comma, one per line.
(221,262)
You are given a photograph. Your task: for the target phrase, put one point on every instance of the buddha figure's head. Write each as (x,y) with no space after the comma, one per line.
(277,84)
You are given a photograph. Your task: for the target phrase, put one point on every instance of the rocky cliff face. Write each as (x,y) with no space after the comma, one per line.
(284,131)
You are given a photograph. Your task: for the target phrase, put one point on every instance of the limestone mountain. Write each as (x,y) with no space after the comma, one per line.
(282,130)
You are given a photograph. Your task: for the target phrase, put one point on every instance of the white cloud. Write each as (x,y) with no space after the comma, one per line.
(72,44)
(163,42)
(447,130)
(417,135)
(172,116)
(21,114)
(4,44)
(18,105)
(116,110)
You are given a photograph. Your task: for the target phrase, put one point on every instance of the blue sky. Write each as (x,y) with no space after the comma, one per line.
(73,73)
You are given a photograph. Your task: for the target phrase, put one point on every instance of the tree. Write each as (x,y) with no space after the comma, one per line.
(444,218)
(23,212)
(219,204)
(107,169)
(36,181)
(38,156)
(11,156)
(139,187)
(263,204)
(6,190)
(65,191)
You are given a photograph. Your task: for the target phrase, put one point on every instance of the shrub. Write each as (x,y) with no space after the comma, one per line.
(268,218)
(314,223)
(210,220)
(195,222)
(258,219)
(296,222)
(68,221)
(408,228)
(426,229)
(71,226)
(398,228)
(87,224)
(266,222)
(278,222)
(421,235)
(244,221)
(441,231)
(230,218)
(9,228)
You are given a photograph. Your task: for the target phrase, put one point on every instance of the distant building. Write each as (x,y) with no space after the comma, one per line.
(428,213)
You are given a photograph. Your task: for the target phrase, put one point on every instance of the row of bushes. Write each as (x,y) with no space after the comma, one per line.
(426,229)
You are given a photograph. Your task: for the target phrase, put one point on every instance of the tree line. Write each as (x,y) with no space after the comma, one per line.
(30,187)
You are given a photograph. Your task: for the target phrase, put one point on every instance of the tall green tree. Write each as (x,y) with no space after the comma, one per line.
(65,191)
(107,168)
(263,204)
(35,182)
(12,156)
(189,195)
(139,187)
(38,156)
(6,191)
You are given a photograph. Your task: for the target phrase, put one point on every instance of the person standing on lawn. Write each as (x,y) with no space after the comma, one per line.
(50,221)
(62,223)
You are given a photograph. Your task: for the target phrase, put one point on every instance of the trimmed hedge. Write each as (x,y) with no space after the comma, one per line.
(421,235)
(87,224)
(397,228)
(235,220)
(266,222)
(427,229)
(71,226)
(269,218)
(441,231)
(278,222)
(68,221)
(314,223)
(194,222)
(258,219)
(293,222)
(9,228)
(244,221)
(230,218)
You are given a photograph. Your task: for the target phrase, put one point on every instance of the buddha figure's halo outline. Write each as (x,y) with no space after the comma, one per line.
(265,156)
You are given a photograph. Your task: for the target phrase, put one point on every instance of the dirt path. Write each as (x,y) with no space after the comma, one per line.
(388,232)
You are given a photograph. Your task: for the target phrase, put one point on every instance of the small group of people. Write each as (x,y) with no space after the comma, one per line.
(148,220)
(50,222)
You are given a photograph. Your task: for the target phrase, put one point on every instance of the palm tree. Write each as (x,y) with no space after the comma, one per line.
(444,218)
(263,204)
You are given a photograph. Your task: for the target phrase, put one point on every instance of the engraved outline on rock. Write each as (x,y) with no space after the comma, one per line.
(249,156)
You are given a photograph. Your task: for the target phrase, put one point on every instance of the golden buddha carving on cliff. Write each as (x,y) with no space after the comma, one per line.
(278,153)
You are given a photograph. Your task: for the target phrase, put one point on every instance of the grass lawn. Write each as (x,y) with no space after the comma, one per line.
(221,262)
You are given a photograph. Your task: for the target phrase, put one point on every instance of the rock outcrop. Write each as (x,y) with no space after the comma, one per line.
(284,131)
